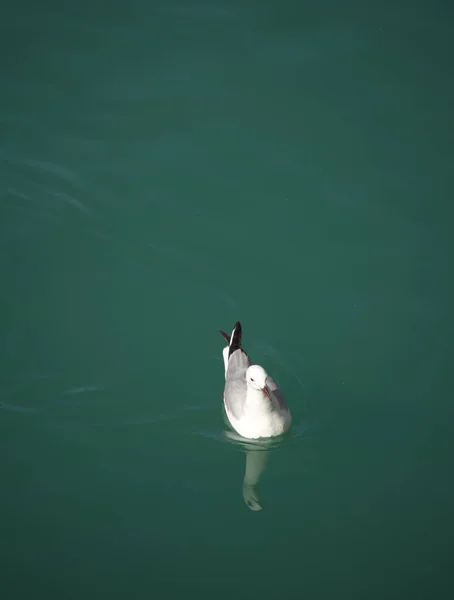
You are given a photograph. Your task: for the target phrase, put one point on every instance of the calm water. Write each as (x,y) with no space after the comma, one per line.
(170,167)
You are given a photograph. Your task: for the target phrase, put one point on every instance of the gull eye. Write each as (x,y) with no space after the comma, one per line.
(252,379)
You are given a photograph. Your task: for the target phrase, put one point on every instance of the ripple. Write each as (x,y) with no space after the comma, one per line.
(297,432)
(84,389)
(17,408)
(70,200)
(60,171)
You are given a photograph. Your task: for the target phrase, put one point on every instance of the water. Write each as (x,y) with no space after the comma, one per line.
(168,168)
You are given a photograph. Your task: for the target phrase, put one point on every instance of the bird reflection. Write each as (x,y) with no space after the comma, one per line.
(257,454)
(256,461)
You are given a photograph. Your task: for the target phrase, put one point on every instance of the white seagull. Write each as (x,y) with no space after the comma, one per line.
(254,403)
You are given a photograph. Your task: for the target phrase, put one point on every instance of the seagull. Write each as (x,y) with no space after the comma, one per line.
(254,403)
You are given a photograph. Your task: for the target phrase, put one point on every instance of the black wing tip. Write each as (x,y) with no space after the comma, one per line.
(225,336)
(237,338)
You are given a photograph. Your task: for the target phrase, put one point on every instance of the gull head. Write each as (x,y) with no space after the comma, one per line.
(256,377)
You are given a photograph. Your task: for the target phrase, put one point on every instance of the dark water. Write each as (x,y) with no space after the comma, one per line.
(166,169)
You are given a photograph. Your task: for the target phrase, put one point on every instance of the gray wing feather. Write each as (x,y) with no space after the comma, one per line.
(236,387)
(235,383)
(277,392)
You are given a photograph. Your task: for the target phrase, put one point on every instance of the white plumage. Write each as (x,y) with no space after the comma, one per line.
(254,403)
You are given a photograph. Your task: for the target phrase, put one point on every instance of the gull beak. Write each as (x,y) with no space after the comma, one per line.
(266,391)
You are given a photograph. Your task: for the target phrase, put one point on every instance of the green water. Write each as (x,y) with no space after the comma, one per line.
(168,168)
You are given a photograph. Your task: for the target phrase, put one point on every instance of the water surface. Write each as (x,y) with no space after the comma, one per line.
(168,168)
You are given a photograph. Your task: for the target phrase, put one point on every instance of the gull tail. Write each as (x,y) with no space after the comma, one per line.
(234,342)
